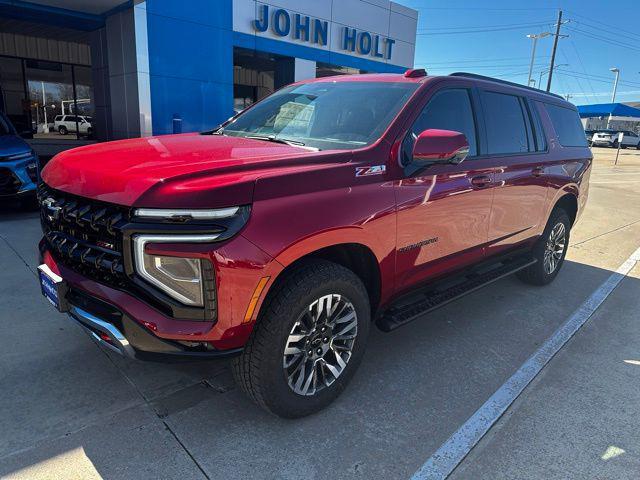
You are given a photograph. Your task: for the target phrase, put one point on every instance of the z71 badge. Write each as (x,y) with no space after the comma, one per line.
(374,170)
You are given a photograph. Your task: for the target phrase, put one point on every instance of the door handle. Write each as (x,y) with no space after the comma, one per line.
(481,181)
(537,171)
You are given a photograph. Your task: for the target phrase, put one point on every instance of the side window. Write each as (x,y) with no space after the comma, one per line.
(567,125)
(506,125)
(448,110)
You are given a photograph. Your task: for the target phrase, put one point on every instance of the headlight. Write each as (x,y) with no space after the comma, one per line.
(179,277)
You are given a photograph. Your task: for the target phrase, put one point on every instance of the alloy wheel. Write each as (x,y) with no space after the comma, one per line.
(554,248)
(320,344)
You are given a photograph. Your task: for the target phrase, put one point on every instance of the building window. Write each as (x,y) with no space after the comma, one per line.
(329,70)
(47,100)
(258,74)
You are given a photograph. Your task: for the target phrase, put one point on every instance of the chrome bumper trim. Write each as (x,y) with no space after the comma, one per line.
(89,321)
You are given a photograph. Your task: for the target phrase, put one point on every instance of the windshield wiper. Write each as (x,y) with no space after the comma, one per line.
(273,138)
(219,130)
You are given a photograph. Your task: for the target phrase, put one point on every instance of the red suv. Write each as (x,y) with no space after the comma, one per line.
(280,236)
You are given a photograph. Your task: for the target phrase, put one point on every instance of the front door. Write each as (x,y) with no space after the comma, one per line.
(443,211)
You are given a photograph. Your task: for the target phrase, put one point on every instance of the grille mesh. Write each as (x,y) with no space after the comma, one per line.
(85,234)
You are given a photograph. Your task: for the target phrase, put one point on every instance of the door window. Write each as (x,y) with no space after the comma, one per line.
(447,110)
(506,125)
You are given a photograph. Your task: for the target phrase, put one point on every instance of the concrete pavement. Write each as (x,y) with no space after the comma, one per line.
(71,410)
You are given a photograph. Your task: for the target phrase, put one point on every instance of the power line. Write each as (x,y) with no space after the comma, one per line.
(614,28)
(486,26)
(604,39)
(485,30)
(633,38)
(484,60)
(605,78)
(573,44)
(568,73)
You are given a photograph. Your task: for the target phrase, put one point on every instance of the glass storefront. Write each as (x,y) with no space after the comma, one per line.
(257,74)
(47,100)
(329,70)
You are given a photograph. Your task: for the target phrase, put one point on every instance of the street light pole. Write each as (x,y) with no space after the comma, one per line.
(45,128)
(533,52)
(615,83)
(615,70)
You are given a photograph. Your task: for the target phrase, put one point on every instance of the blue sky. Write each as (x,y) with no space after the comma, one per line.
(489,38)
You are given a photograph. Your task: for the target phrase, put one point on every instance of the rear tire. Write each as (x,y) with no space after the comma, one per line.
(549,251)
(62,130)
(320,312)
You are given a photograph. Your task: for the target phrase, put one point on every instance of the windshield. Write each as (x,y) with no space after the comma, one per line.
(325,115)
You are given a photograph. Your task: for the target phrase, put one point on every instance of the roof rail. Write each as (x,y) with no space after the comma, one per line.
(505,82)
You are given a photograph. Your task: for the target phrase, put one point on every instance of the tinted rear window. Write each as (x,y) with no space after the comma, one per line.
(567,125)
(506,124)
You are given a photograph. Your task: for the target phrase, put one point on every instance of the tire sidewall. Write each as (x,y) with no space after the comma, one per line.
(278,396)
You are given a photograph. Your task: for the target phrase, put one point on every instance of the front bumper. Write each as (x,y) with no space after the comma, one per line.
(136,328)
(18,178)
(122,335)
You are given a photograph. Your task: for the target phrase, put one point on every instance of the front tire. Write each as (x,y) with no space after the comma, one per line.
(308,340)
(549,251)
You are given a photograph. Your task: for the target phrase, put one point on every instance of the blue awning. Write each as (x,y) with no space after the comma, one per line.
(606,109)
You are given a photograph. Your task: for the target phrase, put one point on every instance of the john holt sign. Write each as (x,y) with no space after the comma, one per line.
(304,28)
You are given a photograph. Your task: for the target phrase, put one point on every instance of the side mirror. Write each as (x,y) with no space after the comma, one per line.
(440,146)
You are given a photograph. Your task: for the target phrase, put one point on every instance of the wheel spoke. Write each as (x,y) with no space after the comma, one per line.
(292,351)
(319,344)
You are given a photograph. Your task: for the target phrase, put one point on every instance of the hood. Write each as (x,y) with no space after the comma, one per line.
(12,145)
(179,171)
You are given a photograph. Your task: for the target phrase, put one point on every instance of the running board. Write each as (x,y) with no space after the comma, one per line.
(412,306)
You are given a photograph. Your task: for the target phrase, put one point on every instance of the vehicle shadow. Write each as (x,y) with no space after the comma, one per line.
(414,388)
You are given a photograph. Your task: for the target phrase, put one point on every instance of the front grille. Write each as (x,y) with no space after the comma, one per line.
(85,234)
(9,182)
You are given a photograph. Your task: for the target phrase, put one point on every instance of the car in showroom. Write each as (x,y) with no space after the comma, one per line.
(281,237)
(611,138)
(63,124)
(18,165)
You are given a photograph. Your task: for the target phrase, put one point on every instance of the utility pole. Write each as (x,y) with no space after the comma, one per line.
(555,47)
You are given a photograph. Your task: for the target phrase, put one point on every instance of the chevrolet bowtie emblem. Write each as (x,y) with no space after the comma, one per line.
(51,210)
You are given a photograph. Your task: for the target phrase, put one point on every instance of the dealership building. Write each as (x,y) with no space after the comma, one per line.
(77,71)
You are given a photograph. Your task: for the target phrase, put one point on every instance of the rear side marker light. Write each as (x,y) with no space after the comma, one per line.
(254,298)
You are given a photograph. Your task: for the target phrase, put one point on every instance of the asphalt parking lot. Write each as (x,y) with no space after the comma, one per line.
(71,410)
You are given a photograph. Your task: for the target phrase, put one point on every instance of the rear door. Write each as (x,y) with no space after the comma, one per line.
(517,148)
(443,210)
